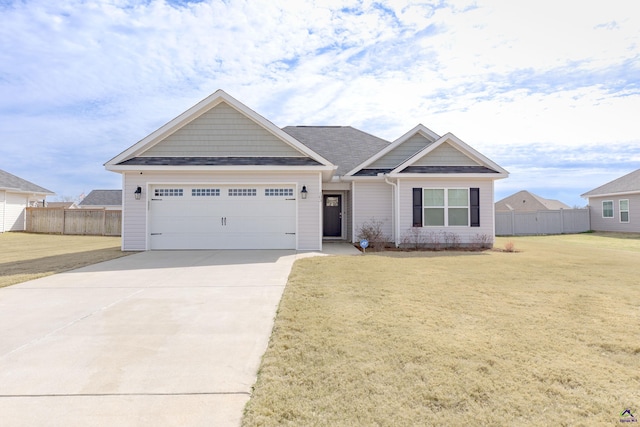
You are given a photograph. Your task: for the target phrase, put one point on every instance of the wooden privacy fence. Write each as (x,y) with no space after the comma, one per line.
(560,221)
(94,222)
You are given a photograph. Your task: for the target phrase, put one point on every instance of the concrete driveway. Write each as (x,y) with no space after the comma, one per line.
(156,338)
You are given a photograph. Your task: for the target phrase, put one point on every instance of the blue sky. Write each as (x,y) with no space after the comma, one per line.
(549,90)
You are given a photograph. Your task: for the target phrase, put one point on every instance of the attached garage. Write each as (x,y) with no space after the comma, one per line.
(194,216)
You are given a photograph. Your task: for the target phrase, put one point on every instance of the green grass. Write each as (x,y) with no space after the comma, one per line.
(544,336)
(27,256)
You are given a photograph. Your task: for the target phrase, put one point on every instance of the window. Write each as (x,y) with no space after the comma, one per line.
(168,192)
(607,209)
(242,192)
(624,210)
(205,192)
(446,207)
(283,192)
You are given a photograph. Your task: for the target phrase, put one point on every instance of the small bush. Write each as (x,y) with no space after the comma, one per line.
(509,247)
(414,238)
(434,240)
(451,240)
(481,241)
(372,231)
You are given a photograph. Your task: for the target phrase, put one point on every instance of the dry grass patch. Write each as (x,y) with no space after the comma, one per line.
(26,256)
(545,336)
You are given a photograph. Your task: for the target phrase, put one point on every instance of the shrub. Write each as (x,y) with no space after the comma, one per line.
(433,240)
(509,247)
(451,240)
(372,231)
(481,241)
(414,238)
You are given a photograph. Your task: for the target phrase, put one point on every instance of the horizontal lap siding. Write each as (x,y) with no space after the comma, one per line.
(135,214)
(467,234)
(445,155)
(222,131)
(373,201)
(401,153)
(14,215)
(598,223)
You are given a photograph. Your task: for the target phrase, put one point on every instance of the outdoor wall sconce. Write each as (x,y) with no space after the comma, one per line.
(304,192)
(138,193)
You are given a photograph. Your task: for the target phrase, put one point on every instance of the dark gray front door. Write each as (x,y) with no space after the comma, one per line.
(332,222)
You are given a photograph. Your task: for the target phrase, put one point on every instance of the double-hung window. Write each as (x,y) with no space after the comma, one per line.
(446,207)
(607,209)
(624,210)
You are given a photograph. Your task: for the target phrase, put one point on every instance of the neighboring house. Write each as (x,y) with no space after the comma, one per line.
(615,206)
(220,176)
(102,199)
(15,195)
(524,201)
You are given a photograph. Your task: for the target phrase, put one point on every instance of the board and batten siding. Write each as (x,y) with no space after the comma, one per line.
(467,234)
(222,131)
(445,155)
(402,152)
(134,213)
(372,201)
(598,223)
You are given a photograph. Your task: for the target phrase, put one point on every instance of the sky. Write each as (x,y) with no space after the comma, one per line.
(549,90)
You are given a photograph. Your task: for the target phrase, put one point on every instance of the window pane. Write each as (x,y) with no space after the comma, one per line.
(607,209)
(458,197)
(624,216)
(624,205)
(434,216)
(434,197)
(458,216)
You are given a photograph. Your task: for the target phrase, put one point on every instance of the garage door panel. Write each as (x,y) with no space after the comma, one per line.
(223,217)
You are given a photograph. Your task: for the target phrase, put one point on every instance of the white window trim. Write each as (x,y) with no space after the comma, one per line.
(613,214)
(446,207)
(626,210)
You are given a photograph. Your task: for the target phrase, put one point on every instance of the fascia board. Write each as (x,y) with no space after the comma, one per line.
(622,193)
(421,129)
(20,191)
(125,168)
(200,108)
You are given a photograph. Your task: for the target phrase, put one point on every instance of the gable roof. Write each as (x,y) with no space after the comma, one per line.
(629,183)
(16,184)
(102,198)
(475,164)
(526,201)
(344,146)
(217,98)
(368,163)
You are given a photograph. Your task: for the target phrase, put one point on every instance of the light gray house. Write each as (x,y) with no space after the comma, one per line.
(16,194)
(102,199)
(222,176)
(615,206)
(525,201)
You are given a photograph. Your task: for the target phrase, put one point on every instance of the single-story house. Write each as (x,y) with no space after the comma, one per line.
(102,199)
(16,194)
(221,176)
(525,201)
(615,206)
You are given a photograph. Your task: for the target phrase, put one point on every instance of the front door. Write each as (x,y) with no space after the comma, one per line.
(332,214)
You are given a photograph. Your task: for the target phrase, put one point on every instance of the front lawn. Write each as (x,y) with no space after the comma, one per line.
(27,256)
(544,336)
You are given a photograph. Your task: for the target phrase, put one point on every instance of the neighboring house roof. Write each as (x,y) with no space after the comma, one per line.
(344,146)
(11,182)
(102,198)
(629,183)
(526,201)
(61,205)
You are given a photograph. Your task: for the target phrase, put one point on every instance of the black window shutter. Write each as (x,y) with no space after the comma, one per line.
(417,207)
(475,206)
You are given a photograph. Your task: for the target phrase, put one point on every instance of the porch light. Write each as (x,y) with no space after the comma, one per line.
(303,193)
(138,193)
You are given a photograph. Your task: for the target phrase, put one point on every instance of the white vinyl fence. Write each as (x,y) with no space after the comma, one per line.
(561,221)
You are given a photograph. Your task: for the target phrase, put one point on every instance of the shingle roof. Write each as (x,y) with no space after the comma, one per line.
(344,146)
(102,198)
(525,201)
(447,169)
(629,183)
(221,161)
(12,182)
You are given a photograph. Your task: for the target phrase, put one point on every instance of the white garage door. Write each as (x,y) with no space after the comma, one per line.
(222,217)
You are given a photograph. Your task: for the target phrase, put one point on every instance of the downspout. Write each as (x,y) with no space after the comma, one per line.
(394,213)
